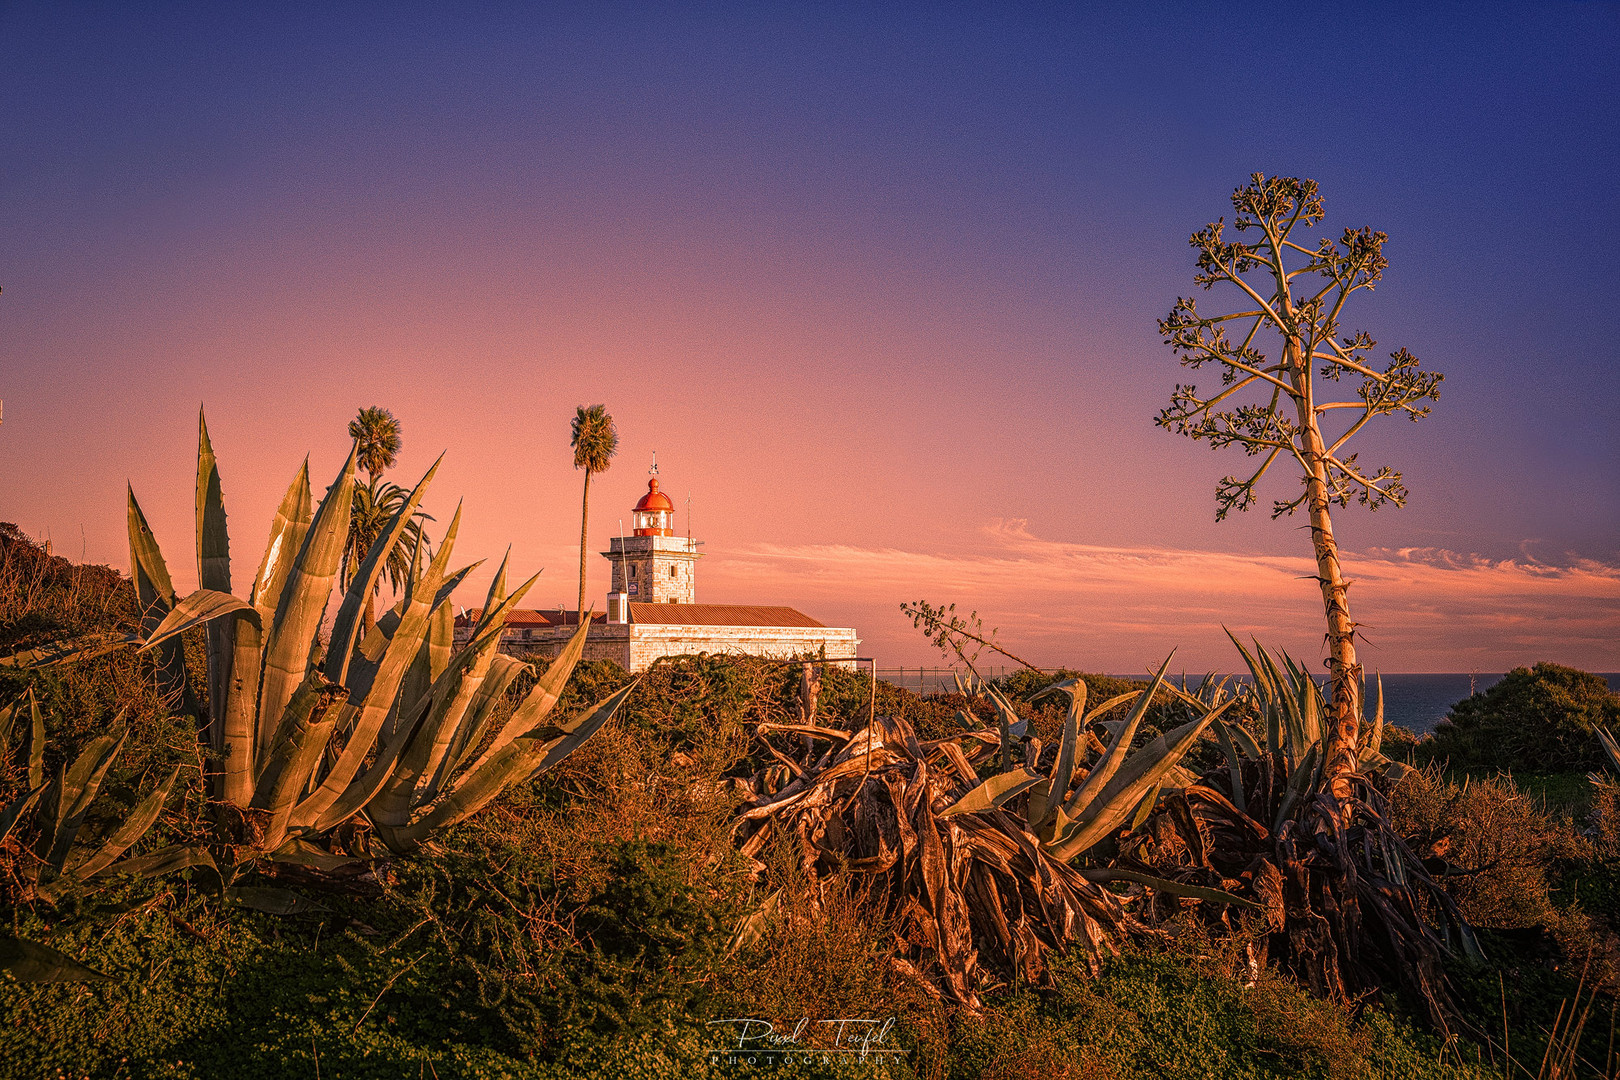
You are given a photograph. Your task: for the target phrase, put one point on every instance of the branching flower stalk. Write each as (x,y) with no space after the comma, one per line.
(1272,405)
(950,632)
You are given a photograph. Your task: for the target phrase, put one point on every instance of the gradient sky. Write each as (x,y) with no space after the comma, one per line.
(878,283)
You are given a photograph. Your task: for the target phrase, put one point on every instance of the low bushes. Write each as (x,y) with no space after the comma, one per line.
(1541,720)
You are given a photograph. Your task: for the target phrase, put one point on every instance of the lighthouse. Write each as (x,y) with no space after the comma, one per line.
(653,611)
(652,565)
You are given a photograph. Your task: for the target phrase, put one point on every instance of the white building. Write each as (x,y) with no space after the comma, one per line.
(652,608)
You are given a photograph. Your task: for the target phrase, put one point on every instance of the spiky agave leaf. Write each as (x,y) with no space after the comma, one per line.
(246,738)
(214,574)
(291,633)
(127,835)
(65,802)
(79,647)
(524,757)
(154,592)
(347,627)
(30,962)
(368,705)
(1099,815)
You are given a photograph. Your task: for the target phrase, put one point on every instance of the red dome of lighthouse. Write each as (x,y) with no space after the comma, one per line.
(654,515)
(655,499)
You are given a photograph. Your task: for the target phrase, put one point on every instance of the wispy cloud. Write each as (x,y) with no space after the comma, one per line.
(1117,607)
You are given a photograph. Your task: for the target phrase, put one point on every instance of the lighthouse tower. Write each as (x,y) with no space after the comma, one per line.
(653,565)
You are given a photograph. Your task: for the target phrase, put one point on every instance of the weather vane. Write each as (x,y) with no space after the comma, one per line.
(653,469)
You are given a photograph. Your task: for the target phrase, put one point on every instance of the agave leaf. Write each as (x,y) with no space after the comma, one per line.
(81,647)
(155,594)
(1610,747)
(33,750)
(1145,807)
(967,721)
(8,718)
(1245,741)
(347,626)
(300,852)
(30,962)
(1312,708)
(204,605)
(524,757)
(429,755)
(371,703)
(1234,764)
(167,861)
(240,761)
(70,795)
(301,739)
(1297,784)
(1172,888)
(288,528)
(15,809)
(503,672)
(1009,723)
(1375,738)
(1261,681)
(289,636)
(1110,762)
(362,789)
(1102,812)
(271,900)
(993,792)
(752,928)
(213,573)
(127,834)
(1063,774)
(150,573)
(535,707)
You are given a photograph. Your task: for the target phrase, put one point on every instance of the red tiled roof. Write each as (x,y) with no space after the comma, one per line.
(718,615)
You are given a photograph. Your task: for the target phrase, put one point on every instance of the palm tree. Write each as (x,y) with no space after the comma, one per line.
(380,437)
(373,508)
(595,442)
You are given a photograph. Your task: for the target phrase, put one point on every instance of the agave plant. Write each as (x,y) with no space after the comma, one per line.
(392,723)
(1348,906)
(62,802)
(969,840)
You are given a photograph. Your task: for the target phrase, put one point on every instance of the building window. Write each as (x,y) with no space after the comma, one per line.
(672,571)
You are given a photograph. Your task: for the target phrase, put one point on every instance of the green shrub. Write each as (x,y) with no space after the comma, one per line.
(1542,720)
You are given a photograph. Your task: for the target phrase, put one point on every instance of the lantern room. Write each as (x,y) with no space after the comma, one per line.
(654,515)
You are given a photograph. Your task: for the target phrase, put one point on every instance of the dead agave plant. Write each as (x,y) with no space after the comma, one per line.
(968,841)
(1348,906)
(395,724)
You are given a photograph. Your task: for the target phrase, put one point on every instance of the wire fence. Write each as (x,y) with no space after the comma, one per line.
(923,681)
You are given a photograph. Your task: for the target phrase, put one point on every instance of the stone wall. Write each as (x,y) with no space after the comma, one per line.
(635,646)
(649,642)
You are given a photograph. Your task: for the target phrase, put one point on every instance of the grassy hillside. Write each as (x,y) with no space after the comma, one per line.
(584,924)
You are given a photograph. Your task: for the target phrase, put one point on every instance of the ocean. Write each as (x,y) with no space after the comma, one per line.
(1415,702)
(1419,702)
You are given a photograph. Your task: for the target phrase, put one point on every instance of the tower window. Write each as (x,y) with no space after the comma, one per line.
(672,571)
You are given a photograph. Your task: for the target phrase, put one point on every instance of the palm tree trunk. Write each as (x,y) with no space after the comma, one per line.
(584,518)
(1344,724)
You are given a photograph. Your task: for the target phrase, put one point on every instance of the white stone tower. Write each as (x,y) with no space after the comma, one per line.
(653,565)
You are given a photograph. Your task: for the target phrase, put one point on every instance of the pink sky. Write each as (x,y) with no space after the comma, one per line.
(882,297)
